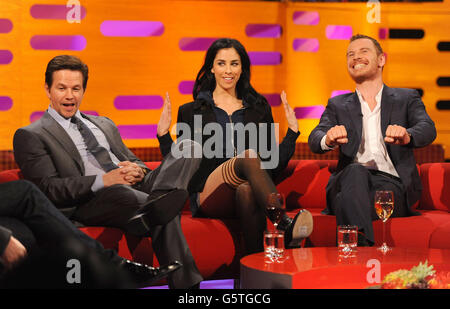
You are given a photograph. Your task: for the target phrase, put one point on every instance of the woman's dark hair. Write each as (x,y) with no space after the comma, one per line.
(206,81)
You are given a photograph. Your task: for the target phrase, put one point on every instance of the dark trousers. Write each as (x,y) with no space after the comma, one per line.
(115,205)
(33,219)
(351,194)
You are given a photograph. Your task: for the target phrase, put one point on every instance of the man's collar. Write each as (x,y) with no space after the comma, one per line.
(377,97)
(65,123)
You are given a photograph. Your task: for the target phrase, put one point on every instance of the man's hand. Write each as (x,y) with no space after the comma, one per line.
(117,177)
(337,135)
(132,172)
(166,117)
(289,112)
(397,135)
(13,254)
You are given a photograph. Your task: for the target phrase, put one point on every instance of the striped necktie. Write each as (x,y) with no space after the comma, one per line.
(99,152)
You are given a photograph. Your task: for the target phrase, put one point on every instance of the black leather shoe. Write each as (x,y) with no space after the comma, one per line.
(147,274)
(300,228)
(161,207)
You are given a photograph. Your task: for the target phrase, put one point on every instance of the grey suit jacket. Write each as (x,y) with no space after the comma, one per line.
(399,106)
(47,156)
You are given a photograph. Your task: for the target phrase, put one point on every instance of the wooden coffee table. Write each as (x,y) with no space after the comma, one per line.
(323,268)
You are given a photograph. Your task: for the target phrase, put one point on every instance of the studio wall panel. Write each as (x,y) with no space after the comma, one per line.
(138,50)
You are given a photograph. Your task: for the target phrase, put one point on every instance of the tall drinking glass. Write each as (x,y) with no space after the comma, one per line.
(275,208)
(384,206)
(274,240)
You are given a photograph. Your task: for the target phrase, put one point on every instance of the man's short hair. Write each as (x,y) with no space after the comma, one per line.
(375,42)
(66,62)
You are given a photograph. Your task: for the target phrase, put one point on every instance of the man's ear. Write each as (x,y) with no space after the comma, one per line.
(47,90)
(381,60)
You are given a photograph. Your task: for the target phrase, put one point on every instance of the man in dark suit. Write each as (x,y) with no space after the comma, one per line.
(376,129)
(81,163)
(31,227)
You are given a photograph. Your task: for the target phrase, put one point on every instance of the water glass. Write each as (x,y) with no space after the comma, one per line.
(274,244)
(347,239)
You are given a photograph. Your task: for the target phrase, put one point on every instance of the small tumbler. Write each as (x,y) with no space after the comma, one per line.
(274,244)
(347,239)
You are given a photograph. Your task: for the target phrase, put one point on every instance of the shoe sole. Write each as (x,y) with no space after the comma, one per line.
(303,227)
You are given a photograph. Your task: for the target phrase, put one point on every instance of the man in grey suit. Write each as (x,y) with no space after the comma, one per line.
(81,163)
(376,129)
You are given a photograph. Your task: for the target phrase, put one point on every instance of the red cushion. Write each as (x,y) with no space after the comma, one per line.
(436,183)
(215,244)
(440,237)
(305,188)
(111,238)
(152,165)
(400,234)
(10,175)
(324,231)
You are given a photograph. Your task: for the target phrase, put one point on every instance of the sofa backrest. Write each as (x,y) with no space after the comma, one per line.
(153,165)
(10,175)
(436,186)
(303,183)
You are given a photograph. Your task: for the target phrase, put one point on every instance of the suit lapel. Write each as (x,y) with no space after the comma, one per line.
(99,122)
(387,101)
(354,109)
(53,128)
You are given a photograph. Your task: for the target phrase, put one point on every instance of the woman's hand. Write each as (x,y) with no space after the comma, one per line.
(289,112)
(166,117)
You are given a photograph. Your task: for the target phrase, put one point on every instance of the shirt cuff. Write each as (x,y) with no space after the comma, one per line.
(411,143)
(324,145)
(291,136)
(165,139)
(98,183)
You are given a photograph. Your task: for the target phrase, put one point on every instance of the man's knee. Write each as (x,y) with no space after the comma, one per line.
(124,196)
(352,183)
(23,187)
(354,174)
(355,169)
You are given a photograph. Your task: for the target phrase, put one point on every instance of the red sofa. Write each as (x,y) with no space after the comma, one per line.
(216,244)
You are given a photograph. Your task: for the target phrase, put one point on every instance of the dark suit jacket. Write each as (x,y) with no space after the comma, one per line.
(5,236)
(47,156)
(255,113)
(399,106)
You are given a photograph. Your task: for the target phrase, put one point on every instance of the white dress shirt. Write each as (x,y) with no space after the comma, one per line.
(372,152)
